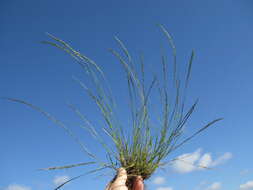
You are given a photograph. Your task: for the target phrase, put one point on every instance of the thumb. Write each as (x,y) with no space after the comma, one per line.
(120,181)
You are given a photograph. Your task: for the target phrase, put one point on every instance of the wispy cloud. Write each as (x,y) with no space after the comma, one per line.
(201,185)
(197,161)
(17,187)
(214,186)
(222,159)
(164,188)
(58,180)
(245,172)
(159,180)
(247,186)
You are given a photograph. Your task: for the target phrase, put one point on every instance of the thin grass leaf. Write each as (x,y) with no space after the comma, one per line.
(196,133)
(68,166)
(189,69)
(56,121)
(74,178)
(187,116)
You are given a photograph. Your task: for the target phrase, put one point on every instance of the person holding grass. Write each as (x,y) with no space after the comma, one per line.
(141,149)
(120,182)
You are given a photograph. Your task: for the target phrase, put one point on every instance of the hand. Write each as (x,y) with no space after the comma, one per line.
(120,182)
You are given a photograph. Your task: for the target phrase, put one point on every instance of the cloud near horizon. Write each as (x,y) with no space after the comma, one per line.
(17,187)
(214,186)
(247,186)
(190,162)
(58,180)
(164,188)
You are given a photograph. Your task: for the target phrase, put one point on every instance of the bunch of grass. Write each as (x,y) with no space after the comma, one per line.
(142,151)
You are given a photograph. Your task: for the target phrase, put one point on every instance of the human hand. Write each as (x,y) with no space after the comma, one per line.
(120,182)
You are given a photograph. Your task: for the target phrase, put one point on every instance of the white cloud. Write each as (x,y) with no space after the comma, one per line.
(164,188)
(197,161)
(214,186)
(222,159)
(159,180)
(58,180)
(247,186)
(17,187)
(185,163)
(205,160)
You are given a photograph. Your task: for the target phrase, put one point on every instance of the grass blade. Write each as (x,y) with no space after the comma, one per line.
(67,166)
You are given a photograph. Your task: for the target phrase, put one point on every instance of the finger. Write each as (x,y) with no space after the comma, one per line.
(122,173)
(120,181)
(138,183)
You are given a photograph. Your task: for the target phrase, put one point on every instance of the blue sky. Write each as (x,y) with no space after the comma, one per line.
(220,32)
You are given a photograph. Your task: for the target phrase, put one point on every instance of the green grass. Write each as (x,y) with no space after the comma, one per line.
(142,151)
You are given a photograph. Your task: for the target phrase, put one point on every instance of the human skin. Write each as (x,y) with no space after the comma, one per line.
(120,182)
(138,183)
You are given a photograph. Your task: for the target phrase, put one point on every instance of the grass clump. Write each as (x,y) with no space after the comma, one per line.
(142,149)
